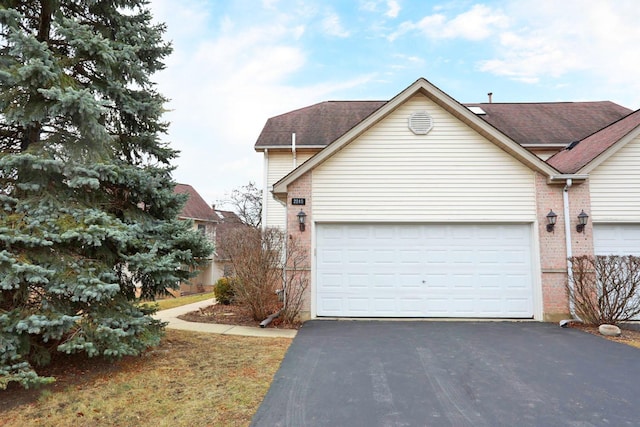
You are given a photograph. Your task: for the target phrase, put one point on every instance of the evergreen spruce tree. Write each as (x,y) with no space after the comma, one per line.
(87,209)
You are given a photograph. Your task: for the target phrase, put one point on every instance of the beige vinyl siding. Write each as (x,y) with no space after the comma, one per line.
(451,174)
(280,164)
(615,186)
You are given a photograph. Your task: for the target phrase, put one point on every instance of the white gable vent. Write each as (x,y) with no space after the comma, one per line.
(420,123)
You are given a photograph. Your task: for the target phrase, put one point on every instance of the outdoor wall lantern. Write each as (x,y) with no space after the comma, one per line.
(582,221)
(301,218)
(552,217)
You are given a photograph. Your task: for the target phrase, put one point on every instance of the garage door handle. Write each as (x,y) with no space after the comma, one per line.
(424,281)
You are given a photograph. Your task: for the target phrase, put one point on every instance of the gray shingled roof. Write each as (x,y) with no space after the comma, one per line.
(316,125)
(551,123)
(571,160)
(548,123)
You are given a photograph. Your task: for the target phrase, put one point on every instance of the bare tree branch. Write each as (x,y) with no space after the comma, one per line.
(246,202)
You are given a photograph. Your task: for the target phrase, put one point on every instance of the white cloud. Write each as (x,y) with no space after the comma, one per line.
(478,23)
(394,8)
(269,4)
(553,39)
(407,61)
(332,26)
(369,6)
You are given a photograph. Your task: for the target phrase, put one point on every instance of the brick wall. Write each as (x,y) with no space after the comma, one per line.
(553,251)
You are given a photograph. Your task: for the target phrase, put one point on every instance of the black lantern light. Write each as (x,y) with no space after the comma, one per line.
(552,217)
(582,221)
(301,218)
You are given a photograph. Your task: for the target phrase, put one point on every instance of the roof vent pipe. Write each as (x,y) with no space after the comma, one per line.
(490,95)
(293,150)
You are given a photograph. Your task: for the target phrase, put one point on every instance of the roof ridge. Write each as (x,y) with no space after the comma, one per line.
(576,143)
(540,102)
(600,141)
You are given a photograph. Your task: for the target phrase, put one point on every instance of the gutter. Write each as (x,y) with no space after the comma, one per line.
(567,236)
(564,177)
(286,147)
(265,190)
(269,319)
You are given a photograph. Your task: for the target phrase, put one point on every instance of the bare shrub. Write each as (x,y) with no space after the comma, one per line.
(295,280)
(264,261)
(605,289)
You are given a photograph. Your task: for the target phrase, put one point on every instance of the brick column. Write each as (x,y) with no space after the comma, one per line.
(301,188)
(553,250)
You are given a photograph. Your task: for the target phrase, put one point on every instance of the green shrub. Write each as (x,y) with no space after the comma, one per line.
(223,290)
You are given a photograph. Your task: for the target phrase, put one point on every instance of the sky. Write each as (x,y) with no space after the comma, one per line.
(238,62)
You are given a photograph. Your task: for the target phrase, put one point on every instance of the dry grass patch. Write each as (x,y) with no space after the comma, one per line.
(172,302)
(190,379)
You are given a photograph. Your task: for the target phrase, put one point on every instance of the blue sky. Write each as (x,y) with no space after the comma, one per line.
(238,62)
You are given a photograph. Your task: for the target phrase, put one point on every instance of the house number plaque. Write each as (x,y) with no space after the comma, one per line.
(298,201)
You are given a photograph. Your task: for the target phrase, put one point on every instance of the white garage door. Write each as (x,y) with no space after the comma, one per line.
(434,270)
(616,239)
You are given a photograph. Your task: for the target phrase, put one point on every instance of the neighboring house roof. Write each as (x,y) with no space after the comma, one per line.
(226,216)
(196,207)
(528,124)
(575,157)
(421,86)
(550,123)
(315,126)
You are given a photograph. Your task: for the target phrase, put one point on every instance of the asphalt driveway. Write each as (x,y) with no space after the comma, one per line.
(374,373)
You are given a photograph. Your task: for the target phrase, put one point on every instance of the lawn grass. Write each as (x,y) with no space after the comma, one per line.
(191,379)
(172,302)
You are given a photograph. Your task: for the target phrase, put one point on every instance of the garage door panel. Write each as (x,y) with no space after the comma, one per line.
(356,256)
(616,239)
(463,280)
(424,271)
(410,256)
(358,280)
(334,280)
(409,281)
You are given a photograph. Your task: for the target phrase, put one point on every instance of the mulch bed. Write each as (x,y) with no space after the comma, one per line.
(629,336)
(231,315)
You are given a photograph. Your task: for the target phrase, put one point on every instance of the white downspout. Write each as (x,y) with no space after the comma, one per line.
(293,150)
(567,236)
(265,190)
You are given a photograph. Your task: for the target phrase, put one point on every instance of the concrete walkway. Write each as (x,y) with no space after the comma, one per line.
(171,316)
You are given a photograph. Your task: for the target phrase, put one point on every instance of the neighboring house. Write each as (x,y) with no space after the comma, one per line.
(423,207)
(227,221)
(212,223)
